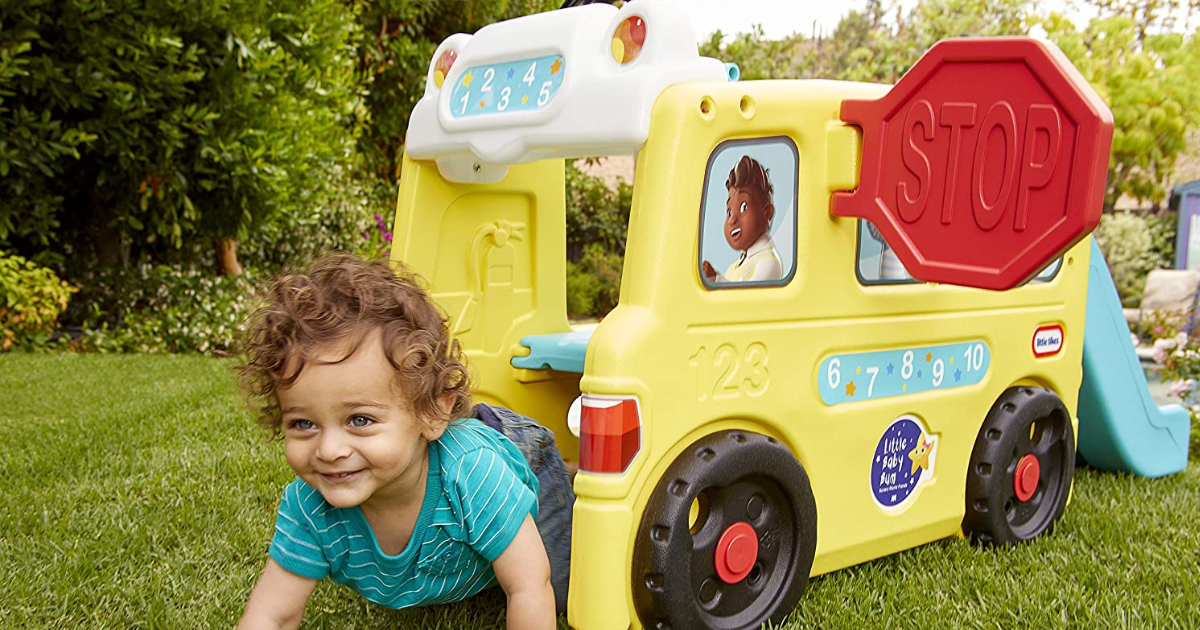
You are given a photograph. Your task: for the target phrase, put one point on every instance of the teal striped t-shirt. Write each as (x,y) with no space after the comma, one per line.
(477,494)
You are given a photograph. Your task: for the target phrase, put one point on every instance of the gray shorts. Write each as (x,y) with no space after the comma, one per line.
(556,498)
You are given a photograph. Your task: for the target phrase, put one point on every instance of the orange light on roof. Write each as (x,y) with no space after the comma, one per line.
(442,68)
(628,39)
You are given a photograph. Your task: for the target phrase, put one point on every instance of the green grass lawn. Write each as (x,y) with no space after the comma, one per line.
(137,493)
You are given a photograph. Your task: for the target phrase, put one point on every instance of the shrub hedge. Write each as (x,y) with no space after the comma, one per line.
(31,299)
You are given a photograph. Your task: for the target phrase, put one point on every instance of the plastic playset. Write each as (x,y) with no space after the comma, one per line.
(853,318)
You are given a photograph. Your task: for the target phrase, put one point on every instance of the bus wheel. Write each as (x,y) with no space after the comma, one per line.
(728,538)
(1021,468)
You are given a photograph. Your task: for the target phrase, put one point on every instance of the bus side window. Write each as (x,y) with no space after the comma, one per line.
(877,263)
(748,222)
(1051,270)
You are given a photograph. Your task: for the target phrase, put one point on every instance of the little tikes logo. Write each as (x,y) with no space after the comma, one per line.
(1047,340)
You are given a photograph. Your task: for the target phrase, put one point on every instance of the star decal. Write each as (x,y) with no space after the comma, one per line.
(928,357)
(904,387)
(524,99)
(467,79)
(482,104)
(858,370)
(957,375)
(555,67)
(890,367)
(510,73)
(920,455)
(919,373)
(850,389)
(951,360)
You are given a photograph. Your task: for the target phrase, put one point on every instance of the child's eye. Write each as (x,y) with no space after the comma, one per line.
(360,422)
(742,207)
(302,425)
(727,213)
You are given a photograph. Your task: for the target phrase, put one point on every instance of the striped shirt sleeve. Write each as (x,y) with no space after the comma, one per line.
(295,546)
(493,500)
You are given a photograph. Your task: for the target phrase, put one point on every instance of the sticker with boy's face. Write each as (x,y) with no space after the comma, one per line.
(748,220)
(748,213)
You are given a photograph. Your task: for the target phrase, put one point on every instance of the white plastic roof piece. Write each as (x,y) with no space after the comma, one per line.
(597,106)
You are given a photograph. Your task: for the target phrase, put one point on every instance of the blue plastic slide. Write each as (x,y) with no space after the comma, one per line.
(1120,426)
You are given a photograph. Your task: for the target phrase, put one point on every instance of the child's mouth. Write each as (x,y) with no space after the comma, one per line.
(734,232)
(339,477)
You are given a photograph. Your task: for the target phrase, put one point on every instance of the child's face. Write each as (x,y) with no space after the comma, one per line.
(348,432)
(746,218)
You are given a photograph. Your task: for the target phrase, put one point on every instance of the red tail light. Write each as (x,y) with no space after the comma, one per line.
(610,434)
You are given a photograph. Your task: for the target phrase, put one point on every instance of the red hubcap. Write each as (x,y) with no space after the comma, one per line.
(736,552)
(1026,480)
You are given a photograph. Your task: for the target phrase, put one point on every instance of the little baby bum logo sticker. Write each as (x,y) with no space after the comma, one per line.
(903,462)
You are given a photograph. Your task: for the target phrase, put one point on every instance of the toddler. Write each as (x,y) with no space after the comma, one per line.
(400,495)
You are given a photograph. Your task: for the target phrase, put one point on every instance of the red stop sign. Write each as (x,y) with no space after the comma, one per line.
(984,163)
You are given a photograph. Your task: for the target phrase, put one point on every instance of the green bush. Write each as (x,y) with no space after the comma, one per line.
(1162,239)
(597,224)
(593,283)
(1127,244)
(595,213)
(31,299)
(139,128)
(333,223)
(164,309)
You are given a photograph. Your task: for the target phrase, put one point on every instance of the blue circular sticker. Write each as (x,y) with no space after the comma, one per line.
(904,459)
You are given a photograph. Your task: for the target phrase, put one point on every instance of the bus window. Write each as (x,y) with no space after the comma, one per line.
(1051,270)
(877,263)
(748,222)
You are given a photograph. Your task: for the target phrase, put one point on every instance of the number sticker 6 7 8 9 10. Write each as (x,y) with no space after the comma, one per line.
(855,377)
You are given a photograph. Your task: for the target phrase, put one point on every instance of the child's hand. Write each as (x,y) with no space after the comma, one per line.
(524,573)
(709,272)
(278,599)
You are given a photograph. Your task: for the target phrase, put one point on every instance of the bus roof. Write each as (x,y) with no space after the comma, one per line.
(568,83)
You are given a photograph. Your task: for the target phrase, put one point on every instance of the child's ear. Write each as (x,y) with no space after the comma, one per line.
(770,210)
(434,430)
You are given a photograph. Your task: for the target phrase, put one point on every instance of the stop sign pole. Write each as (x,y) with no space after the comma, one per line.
(984,163)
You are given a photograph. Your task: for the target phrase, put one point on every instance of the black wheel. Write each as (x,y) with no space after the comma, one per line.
(1021,468)
(728,538)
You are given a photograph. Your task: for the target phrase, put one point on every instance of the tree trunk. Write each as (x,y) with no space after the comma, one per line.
(107,239)
(227,261)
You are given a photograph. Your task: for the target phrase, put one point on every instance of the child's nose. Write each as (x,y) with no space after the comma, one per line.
(333,446)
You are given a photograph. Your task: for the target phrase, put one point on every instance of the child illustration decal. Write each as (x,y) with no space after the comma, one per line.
(404,491)
(749,212)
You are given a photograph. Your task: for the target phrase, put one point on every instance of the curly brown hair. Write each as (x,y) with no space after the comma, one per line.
(748,173)
(343,298)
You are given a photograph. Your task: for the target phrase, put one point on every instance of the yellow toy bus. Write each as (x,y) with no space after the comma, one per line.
(775,396)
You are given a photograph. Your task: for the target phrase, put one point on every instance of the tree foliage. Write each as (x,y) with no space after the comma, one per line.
(758,57)
(1139,66)
(128,128)
(1149,82)
(395,46)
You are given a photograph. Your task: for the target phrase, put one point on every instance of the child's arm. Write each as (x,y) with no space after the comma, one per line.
(524,573)
(279,598)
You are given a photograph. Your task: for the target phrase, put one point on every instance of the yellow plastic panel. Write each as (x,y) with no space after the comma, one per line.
(599,566)
(495,258)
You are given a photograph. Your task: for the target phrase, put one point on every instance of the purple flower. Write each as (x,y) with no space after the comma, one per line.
(367,235)
(1181,388)
(387,236)
(378,219)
